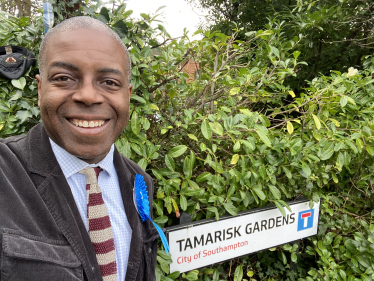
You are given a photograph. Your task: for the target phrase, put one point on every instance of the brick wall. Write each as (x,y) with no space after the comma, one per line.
(190,68)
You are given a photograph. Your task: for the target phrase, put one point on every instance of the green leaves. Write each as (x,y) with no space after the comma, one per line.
(343,101)
(370,150)
(258,191)
(287,172)
(193,137)
(274,51)
(127,13)
(104,15)
(263,136)
(293,257)
(317,122)
(203,177)
(234,91)
(248,144)
(275,191)
(289,127)
(164,263)
(238,274)
(262,171)
(282,257)
(234,159)
(280,208)
(153,106)
(192,275)
(206,130)
(198,32)
(188,165)
(16,96)
(20,83)
(230,208)
(120,26)
(352,245)
(177,151)
(143,163)
(334,177)
(135,123)
(296,54)
(169,161)
(306,169)
(183,202)
(236,147)
(216,128)
(326,154)
(144,15)
(192,192)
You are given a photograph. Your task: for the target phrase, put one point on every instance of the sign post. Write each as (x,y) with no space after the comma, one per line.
(205,242)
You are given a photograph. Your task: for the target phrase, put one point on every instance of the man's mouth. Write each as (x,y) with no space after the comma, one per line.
(87,123)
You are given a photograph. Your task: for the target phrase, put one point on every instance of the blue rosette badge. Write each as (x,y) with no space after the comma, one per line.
(141,202)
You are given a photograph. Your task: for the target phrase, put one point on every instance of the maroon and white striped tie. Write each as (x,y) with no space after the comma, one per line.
(99,226)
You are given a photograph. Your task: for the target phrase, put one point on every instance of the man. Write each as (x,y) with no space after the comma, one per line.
(66,194)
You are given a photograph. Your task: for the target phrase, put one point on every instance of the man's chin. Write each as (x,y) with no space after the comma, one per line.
(89,157)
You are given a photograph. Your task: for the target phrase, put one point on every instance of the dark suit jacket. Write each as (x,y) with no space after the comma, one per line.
(42,236)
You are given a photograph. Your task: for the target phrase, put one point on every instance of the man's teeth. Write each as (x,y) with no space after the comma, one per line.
(88,124)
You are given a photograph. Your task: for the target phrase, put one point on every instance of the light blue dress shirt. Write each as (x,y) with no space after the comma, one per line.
(108,182)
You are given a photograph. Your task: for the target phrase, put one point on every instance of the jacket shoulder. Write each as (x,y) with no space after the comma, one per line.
(15,145)
(13,139)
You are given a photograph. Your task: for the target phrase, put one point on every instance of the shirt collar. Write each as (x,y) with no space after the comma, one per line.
(71,164)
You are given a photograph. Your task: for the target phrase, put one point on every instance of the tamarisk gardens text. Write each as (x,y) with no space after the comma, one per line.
(205,242)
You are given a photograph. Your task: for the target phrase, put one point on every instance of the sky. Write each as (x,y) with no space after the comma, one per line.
(177,14)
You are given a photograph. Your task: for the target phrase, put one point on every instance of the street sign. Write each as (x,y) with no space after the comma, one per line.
(206,242)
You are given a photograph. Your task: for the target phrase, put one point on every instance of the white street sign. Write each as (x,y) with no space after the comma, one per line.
(206,242)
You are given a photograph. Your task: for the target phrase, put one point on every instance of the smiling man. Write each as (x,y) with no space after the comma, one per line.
(66,194)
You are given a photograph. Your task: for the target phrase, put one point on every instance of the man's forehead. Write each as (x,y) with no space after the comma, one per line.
(86,37)
(93,43)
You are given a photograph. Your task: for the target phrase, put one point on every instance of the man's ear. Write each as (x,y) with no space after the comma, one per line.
(130,91)
(39,80)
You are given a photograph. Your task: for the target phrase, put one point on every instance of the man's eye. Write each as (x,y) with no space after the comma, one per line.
(110,83)
(62,78)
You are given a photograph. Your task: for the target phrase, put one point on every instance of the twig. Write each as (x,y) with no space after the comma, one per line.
(298,106)
(218,94)
(357,216)
(363,159)
(213,84)
(230,267)
(357,187)
(280,124)
(151,90)
(163,43)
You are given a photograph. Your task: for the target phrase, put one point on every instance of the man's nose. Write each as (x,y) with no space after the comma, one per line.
(88,93)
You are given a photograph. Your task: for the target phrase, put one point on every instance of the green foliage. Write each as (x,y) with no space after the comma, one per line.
(231,135)
(335,34)
(18,98)
(224,15)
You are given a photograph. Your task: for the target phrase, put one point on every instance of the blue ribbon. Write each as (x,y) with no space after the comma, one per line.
(48,16)
(142,206)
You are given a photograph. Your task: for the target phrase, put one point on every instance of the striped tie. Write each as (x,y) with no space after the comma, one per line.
(100,229)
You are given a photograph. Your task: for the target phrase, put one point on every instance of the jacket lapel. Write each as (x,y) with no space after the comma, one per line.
(126,178)
(56,193)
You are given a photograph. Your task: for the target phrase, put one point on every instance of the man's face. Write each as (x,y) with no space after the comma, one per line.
(84,94)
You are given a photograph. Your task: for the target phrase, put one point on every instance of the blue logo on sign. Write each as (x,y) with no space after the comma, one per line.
(305,220)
